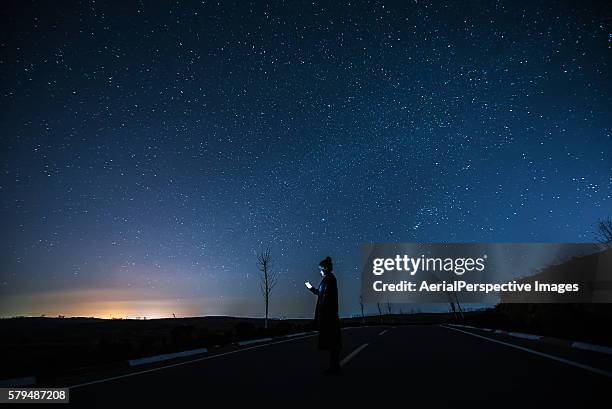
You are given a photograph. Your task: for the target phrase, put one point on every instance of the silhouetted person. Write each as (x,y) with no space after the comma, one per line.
(326,314)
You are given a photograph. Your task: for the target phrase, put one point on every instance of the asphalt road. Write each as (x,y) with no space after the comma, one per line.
(415,366)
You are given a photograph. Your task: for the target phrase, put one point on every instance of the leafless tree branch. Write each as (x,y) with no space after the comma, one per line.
(268,277)
(604,231)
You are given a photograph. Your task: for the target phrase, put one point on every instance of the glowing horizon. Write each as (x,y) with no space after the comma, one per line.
(136,303)
(103,303)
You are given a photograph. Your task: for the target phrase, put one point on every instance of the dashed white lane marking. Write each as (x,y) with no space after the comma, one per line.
(554,358)
(352,355)
(383,332)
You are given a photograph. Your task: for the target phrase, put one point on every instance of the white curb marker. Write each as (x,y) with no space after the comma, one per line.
(165,357)
(254,341)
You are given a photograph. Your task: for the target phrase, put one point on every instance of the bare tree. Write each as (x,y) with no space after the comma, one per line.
(452,305)
(390,311)
(604,231)
(361,306)
(267,277)
(379,311)
(458,304)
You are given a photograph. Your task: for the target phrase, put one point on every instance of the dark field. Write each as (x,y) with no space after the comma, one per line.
(52,347)
(45,346)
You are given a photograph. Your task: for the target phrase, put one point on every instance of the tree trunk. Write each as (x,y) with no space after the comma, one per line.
(266,320)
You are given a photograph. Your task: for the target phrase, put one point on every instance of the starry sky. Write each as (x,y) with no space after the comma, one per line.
(150,149)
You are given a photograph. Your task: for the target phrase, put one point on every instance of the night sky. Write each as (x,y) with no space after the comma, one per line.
(149,150)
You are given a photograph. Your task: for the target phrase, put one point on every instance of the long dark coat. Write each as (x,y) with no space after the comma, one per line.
(326,313)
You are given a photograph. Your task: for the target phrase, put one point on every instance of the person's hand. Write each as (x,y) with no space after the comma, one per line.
(308,285)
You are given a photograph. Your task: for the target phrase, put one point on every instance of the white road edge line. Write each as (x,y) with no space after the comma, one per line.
(352,355)
(573,344)
(554,358)
(184,363)
(383,332)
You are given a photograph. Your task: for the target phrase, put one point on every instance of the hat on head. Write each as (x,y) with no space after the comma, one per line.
(327,264)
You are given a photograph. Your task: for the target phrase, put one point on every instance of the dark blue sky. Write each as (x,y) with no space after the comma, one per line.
(149,150)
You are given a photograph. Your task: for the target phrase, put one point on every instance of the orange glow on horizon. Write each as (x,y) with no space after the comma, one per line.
(101,303)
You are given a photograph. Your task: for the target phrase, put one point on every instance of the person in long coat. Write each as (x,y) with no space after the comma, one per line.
(326,314)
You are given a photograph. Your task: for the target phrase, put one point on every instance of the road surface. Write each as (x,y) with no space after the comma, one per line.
(415,366)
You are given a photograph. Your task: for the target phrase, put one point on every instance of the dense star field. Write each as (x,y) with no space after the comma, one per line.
(149,150)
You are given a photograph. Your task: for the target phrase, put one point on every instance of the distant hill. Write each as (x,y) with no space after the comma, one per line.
(592,272)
